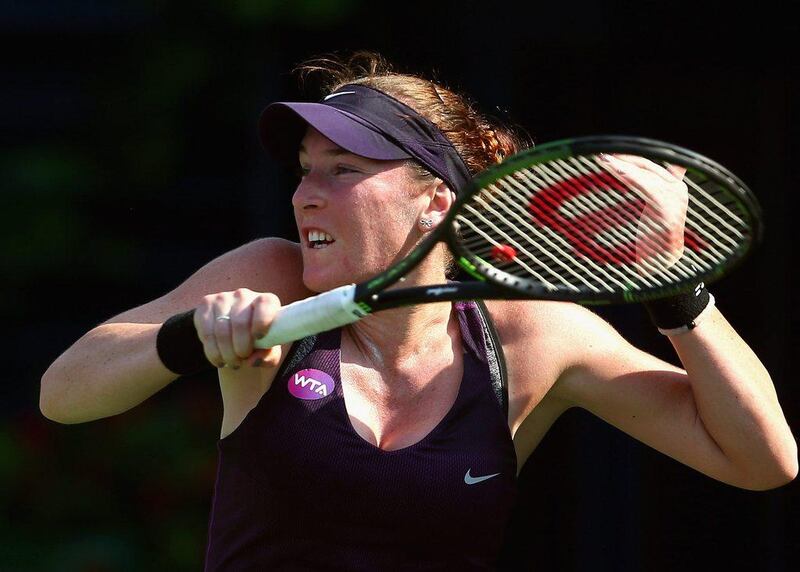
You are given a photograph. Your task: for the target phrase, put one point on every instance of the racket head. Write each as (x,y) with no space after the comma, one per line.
(554,223)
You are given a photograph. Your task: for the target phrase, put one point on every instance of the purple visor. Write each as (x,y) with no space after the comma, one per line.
(366,122)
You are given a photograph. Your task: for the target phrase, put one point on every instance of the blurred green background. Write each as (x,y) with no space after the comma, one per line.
(130,158)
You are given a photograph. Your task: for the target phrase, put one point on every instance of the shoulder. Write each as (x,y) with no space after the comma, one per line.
(266,255)
(262,265)
(265,250)
(543,322)
(543,340)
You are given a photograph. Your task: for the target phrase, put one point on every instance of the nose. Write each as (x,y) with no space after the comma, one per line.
(309,194)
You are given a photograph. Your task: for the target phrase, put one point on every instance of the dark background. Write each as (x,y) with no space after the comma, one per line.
(130,158)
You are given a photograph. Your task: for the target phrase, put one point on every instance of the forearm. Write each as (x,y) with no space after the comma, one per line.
(111,369)
(736,401)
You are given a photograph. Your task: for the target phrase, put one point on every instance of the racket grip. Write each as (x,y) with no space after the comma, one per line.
(326,311)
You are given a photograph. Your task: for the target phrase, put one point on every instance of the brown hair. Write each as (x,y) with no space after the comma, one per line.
(481,141)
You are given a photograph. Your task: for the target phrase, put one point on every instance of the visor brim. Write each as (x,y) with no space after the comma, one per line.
(282,126)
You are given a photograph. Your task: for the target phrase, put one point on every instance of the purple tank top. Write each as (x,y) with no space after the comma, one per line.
(298,489)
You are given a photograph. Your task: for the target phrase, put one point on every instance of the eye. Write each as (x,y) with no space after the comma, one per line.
(301,171)
(340,169)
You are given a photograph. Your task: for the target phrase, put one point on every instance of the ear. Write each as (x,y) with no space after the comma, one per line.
(441,198)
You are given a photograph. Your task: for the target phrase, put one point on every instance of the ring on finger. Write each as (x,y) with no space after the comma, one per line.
(223,318)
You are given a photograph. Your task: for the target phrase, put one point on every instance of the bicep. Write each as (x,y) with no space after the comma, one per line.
(639,394)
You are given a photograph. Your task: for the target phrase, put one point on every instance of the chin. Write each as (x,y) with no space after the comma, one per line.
(320,280)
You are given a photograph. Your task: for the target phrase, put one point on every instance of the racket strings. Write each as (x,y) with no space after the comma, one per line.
(547,248)
(682,267)
(489,238)
(553,245)
(650,235)
(612,226)
(574,223)
(521,199)
(702,200)
(714,209)
(637,232)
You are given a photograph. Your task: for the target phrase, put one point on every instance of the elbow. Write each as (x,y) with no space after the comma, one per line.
(774,482)
(788,463)
(783,472)
(61,402)
(46,400)
(788,468)
(49,401)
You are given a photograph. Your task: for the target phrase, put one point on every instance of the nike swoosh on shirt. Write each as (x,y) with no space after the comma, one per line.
(470,480)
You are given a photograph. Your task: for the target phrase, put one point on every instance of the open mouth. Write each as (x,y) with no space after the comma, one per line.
(318,239)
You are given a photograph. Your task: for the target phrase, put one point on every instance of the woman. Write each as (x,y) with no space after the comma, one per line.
(382,445)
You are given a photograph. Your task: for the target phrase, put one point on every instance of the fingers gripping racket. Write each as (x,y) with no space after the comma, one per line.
(559,222)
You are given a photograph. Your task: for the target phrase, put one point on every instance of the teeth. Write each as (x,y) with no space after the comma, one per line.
(317,236)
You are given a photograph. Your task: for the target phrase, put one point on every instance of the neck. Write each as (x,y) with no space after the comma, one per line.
(393,340)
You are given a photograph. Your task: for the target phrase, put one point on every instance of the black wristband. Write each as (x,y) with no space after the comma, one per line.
(679,313)
(178,346)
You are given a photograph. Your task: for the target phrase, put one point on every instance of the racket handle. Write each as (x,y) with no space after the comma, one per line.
(326,311)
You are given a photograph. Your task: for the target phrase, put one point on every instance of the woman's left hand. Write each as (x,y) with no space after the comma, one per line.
(660,234)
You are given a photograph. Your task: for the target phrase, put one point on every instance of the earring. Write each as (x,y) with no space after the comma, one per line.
(425,223)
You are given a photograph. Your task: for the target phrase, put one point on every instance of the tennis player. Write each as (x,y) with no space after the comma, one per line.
(391,443)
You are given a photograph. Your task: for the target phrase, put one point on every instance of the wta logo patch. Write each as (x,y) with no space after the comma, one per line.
(311,384)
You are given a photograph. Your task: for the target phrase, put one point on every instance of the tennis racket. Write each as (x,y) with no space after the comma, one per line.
(558,222)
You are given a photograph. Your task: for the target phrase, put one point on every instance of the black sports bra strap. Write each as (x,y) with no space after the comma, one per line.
(495,357)
(299,350)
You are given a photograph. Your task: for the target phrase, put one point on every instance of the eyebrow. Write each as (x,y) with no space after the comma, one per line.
(335,152)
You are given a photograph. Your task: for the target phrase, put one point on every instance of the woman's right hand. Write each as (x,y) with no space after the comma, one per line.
(229,322)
